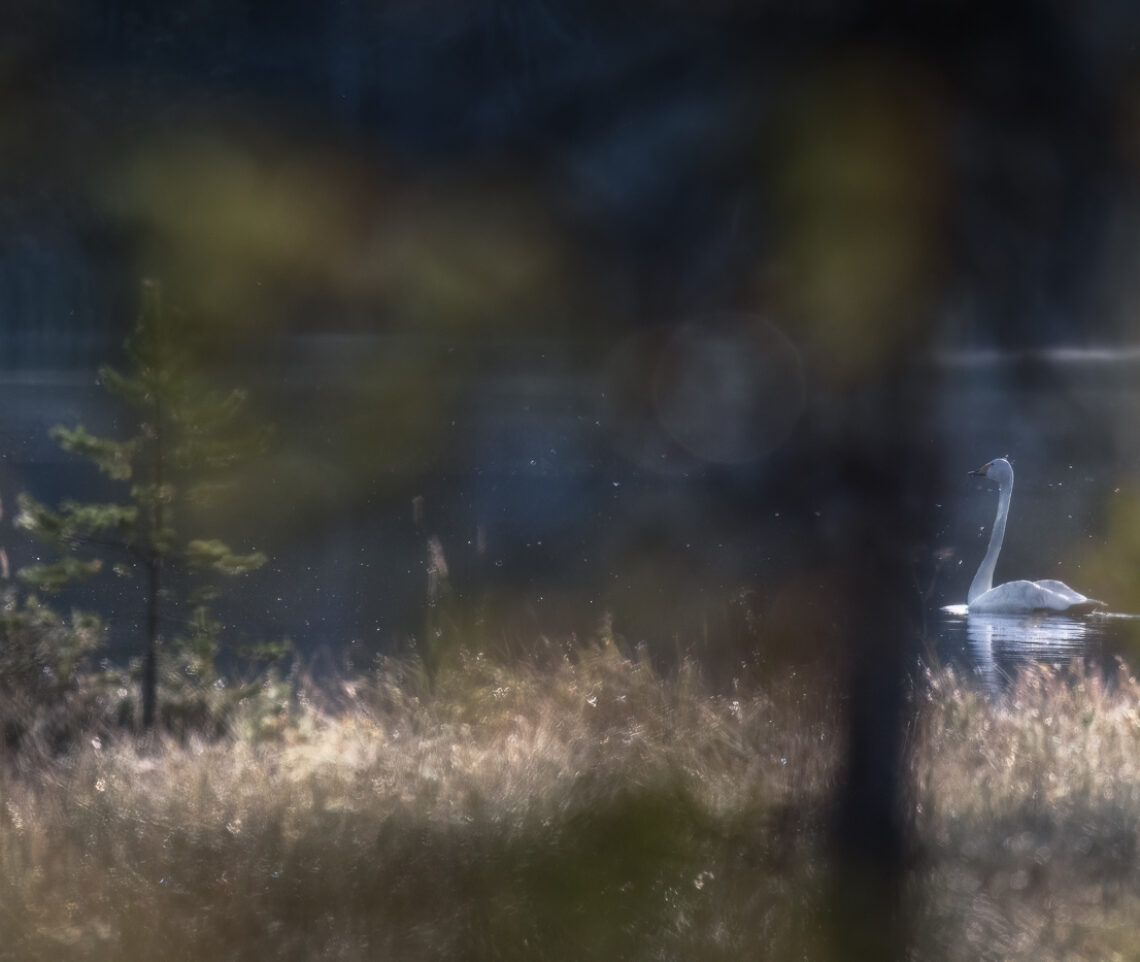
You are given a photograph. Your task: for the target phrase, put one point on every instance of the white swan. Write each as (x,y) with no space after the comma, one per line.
(1016,597)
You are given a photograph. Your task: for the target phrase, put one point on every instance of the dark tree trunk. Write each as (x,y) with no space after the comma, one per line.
(154,571)
(150,660)
(891,481)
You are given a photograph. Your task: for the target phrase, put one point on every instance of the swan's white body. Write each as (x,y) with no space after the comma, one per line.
(1016,597)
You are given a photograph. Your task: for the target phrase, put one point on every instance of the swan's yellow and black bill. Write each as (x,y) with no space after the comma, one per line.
(981,472)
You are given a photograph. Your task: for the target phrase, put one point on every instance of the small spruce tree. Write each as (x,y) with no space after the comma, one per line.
(185,436)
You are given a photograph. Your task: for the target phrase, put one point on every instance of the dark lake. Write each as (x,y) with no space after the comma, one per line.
(528,476)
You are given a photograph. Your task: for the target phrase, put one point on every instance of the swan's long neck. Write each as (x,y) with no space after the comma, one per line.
(984,579)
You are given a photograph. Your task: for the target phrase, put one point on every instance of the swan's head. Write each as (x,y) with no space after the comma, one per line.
(1000,471)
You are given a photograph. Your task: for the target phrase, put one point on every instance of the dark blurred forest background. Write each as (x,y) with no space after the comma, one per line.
(606,289)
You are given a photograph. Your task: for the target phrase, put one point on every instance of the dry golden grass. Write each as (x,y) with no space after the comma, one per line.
(1027,808)
(588,808)
(591,809)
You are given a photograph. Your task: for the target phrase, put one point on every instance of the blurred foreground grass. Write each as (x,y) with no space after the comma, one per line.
(583,808)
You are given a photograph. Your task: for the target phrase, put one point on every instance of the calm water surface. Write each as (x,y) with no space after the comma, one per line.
(551,498)
(993,648)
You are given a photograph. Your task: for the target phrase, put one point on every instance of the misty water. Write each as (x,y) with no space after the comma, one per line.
(542,489)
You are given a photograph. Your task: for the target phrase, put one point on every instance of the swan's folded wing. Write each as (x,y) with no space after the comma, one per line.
(1025,596)
(1064,591)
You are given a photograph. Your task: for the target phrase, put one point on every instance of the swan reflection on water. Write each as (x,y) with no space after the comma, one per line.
(1000,645)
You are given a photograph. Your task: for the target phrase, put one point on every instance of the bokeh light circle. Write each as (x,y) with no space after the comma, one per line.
(728,388)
